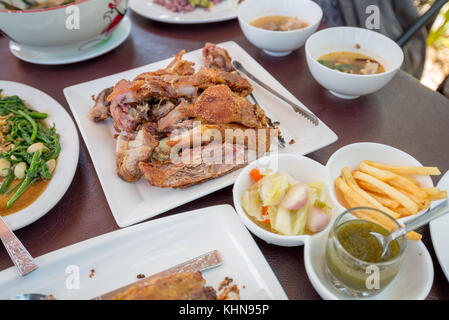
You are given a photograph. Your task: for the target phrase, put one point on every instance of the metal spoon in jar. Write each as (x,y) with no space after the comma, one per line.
(414,224)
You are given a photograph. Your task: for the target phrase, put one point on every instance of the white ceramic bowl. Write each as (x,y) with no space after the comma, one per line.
(299,167)
(279,43)
(372,44)
(351,155)
(43,28)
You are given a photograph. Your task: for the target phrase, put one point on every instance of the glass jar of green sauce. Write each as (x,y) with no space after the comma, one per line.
(354,259)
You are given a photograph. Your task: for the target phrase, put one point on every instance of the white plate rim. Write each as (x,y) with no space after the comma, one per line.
(116,39)
(443,184)
(180,18)
(68,154)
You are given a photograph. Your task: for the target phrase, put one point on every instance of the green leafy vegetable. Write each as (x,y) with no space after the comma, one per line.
(20,127)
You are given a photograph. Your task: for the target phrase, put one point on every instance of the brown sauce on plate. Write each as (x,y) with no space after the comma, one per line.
(30,195)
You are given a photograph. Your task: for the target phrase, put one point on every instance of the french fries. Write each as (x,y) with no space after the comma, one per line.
(424,171)
(389,189)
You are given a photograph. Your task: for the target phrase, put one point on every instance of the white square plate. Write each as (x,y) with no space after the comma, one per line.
(134,202)
(118,257)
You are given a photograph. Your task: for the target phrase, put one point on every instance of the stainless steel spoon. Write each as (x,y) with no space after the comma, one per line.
(306,114)
(414,224)
(29,296)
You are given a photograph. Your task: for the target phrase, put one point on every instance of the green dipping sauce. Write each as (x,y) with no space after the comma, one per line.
(355,237)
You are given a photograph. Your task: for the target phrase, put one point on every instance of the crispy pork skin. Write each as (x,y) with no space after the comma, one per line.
(218,104)
(196,165)
(254,139)
(180,286)
(131,152)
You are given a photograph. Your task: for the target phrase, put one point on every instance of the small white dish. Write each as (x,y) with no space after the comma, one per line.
(219,12)
(351,155)
(279,43)
(367,42)
(147,248)
(67,160)
(73,53)
(145,201)
(439,231)
(413,282)
(299,167)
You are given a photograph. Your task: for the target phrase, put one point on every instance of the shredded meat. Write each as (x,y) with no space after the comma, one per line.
(132,151)
(157,115)
(216,57)
(180,286)
(196,165)
(100,111)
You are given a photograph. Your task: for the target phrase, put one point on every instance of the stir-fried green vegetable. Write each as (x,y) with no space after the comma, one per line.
(28,148)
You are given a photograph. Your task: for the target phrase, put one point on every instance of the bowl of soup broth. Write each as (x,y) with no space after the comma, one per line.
(351,62)
(281,26)
(43,24)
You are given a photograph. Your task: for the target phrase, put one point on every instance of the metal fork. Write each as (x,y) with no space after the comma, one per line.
(281,140)
(306,114)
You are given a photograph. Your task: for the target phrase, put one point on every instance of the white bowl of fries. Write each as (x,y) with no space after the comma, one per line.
(381,176)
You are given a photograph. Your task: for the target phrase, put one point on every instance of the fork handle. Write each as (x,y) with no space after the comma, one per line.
(18,253)
(310,116)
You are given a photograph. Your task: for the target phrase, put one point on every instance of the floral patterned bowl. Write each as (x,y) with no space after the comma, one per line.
(79,22)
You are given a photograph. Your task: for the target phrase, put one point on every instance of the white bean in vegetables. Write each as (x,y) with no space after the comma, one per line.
(38,146)
(51,165)
(5,165)
(19,170)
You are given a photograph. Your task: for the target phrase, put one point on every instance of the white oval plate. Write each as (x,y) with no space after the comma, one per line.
(150,10)
(438,231)
(67,160)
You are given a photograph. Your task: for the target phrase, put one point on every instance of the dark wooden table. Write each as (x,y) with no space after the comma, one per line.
(405,115)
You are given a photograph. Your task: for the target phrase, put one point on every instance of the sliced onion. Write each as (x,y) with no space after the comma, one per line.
(296,197)
(317,219)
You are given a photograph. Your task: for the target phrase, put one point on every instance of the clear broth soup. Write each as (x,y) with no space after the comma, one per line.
(279,23)
(351,62)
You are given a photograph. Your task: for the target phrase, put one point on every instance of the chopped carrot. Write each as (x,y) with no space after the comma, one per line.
(255,175)
(265,214)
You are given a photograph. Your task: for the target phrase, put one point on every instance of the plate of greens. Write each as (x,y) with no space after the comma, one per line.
(39,151)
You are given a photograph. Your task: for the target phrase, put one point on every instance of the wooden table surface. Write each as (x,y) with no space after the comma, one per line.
(405,115)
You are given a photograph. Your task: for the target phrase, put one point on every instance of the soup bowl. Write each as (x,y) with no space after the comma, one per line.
(279,43)
(358,40)
(76,23)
